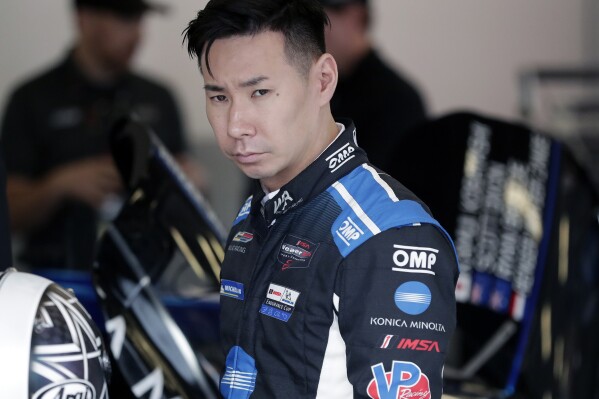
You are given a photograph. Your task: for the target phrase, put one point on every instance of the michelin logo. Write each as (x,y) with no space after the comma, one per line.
(414,259)
(232,289)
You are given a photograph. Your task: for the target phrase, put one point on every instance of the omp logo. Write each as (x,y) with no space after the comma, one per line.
(414,259)
(281,202)
(340,157)
(72,389)
(349,231)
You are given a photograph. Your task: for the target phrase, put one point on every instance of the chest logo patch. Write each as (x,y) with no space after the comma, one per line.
(296,252)
(232,289)
(280,302)
(243,237)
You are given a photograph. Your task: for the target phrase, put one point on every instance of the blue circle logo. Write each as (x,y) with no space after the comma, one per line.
(413,297)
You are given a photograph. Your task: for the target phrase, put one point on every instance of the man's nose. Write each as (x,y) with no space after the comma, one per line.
(240,122)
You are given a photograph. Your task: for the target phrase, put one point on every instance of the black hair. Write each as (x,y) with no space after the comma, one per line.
(301,22)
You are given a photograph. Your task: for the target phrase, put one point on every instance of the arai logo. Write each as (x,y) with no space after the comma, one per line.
(71,389)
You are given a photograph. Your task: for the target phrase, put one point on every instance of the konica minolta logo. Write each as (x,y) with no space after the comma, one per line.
(340,157)
(402,323)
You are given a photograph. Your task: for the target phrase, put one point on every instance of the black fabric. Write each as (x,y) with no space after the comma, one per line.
(60,117)
(336,3)
(5,244)
(383,105)
(565,319)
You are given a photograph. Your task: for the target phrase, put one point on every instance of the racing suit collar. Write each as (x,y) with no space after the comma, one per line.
(340,158)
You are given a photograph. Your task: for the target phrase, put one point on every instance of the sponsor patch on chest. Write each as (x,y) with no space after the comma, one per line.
(296,252)
(280,302)
(232,289)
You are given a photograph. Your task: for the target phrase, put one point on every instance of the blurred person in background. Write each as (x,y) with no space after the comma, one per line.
(382,103)
(61,180)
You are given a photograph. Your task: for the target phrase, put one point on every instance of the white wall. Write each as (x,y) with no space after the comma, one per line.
(467,53)
(461,53)
(591,31)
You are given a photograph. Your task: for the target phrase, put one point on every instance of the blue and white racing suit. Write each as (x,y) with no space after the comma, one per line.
(340,286)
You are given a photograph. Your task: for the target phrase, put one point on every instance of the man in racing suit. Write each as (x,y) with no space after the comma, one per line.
(337,282)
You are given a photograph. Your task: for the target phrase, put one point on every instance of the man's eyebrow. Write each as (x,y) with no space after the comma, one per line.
(248,83)
(214,88)
(253,81)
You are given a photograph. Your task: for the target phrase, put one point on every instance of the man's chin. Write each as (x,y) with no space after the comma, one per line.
(253,172)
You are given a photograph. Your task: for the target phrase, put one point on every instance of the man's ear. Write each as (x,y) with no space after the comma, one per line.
(325,70)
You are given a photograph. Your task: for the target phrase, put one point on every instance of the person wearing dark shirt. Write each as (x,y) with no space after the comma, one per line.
(5,244)
(60,178)
(382,103)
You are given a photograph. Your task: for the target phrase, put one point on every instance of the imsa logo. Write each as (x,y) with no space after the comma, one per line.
(340,157)
(410,344)
(414,259)
(349,231)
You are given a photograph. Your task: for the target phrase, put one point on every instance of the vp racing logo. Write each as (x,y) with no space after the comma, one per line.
(405,380)
(340,157)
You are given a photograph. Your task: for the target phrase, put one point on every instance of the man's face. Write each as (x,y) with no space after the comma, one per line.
(112,38)
(263,111)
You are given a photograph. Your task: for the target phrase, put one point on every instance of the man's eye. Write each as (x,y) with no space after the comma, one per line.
(260,92)
(219,99)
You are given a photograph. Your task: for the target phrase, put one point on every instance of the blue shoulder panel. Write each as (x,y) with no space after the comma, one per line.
(244,212)
(369,207)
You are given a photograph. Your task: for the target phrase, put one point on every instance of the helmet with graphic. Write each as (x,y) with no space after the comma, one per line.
(50,347)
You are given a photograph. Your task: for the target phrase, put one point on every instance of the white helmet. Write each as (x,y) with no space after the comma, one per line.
(49,346)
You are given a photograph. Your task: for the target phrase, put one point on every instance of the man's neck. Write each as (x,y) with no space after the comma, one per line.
(331,130)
